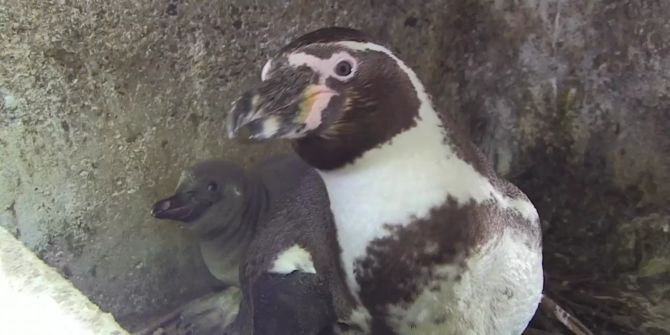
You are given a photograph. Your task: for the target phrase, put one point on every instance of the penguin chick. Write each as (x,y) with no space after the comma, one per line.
(291,279)
(251,222)
(220,205)
(294,303)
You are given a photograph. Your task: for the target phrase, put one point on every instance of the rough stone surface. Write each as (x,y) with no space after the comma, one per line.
(104,101)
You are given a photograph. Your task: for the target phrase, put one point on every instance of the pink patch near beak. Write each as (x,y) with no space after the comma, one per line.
(318,97)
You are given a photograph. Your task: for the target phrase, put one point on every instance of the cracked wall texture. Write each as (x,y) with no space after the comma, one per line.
(103,102)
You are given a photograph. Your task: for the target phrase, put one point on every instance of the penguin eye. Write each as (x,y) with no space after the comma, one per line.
(343,68)
(212,187)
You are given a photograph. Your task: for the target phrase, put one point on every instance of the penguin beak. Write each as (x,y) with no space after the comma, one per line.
(179,208)
(279,110)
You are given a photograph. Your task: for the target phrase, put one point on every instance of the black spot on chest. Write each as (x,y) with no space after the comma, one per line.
(397,268)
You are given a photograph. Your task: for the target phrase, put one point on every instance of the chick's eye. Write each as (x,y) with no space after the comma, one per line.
(343,68)
(212,187)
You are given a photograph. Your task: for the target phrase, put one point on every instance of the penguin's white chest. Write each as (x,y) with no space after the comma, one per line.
(402,181)
(389,185)
(497,292)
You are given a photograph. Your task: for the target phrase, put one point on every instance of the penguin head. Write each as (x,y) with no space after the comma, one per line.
(209,190)
(334,88)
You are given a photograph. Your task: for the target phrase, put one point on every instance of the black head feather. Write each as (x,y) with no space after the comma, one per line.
(327,35)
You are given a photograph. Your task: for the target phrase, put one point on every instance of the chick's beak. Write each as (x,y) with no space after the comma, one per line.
(179,207)
(278,110)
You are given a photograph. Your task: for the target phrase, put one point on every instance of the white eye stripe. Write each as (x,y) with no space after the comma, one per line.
(324,67)
(416,83)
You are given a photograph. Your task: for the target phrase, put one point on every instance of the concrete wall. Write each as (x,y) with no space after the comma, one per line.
(105,101)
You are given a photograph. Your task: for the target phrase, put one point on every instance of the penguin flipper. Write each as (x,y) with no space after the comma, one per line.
(209,314)
(297,303)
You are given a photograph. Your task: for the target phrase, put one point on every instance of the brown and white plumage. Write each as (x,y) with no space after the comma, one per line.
(433,241)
